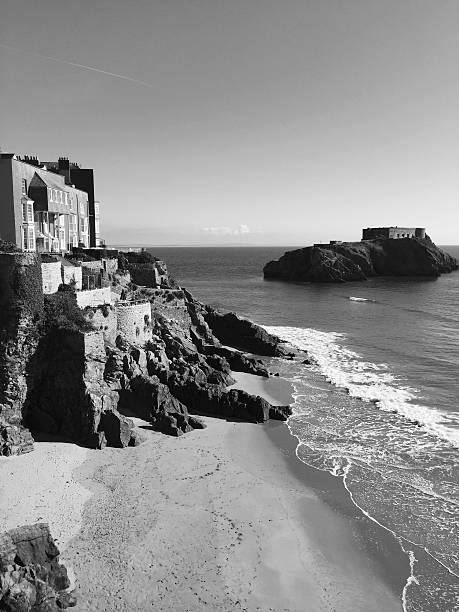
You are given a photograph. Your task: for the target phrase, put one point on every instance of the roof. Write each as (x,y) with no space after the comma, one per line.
(48,180)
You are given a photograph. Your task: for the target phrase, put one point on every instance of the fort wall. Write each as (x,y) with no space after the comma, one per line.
(134,321)
(373,233)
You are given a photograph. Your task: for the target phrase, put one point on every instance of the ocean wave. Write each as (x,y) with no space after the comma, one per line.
(371,382)
(360,299)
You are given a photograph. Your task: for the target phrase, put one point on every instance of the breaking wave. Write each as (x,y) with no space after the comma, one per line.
(371,382)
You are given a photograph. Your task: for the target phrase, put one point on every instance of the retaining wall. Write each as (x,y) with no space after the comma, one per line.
(94,297)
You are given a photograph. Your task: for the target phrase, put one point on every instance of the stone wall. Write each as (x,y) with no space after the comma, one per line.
(134,321)
(94,297)
(52,276)
(104,319)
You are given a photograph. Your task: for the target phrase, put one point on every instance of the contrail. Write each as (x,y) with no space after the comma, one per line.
(82,66)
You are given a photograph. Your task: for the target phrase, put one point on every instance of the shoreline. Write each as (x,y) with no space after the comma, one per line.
(226,518)
(219,519)
(382,543)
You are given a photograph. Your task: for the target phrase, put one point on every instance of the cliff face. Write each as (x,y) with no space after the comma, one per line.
(60,376)
(351,261)
(21,307)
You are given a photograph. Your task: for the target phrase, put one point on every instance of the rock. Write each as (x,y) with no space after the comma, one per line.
(350,261)
(31,577)
(280,413)
(215,401)
(118,430)
(152,401)
(239,362)
(71,396)
(14,439)
(241,333)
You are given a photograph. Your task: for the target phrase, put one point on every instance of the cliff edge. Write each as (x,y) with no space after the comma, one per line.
(352,261)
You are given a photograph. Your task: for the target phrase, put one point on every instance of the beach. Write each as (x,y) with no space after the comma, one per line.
(213,520)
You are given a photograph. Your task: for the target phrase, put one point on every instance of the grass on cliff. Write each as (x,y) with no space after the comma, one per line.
(62,312)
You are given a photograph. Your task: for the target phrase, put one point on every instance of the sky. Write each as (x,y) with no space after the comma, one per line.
(280,122)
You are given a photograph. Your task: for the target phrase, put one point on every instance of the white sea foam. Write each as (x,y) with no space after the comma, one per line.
(359,299)
(368,381)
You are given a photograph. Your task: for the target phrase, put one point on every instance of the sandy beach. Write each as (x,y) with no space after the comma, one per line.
(214,520)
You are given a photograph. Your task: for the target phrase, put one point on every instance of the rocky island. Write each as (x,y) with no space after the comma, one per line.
(382,252)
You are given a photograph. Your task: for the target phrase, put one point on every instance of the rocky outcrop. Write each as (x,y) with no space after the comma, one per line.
(31,577)
(351,261)
(241,333)
(229,404)
(237,361)
(70,396)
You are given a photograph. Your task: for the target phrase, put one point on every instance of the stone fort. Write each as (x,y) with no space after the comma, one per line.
(372,233)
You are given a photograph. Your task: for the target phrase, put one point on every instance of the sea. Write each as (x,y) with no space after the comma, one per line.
(377,407)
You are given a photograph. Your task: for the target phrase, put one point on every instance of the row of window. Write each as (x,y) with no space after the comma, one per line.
(58,196)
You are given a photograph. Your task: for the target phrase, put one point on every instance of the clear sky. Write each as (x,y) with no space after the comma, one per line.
(242,121)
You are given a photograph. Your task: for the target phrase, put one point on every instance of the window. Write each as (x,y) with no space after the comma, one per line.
(24,186)
(27,211)
(96,209)
(97,226)
(66,196)
(28,238)
(50,195)
(31,236)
